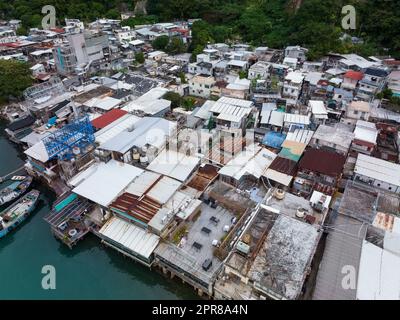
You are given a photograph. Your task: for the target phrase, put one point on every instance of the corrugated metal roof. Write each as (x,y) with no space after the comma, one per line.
(322,161)
(253,161)
(174,164)
(105,181)
(128,235)
(378,169)
(148,130)
(115,128)
(107,118)
(236,102)
(297,118)
(300,135)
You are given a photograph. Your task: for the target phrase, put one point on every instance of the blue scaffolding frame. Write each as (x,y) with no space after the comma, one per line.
(77,134)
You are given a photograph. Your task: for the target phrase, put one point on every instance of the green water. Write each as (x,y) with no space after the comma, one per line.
(88,271)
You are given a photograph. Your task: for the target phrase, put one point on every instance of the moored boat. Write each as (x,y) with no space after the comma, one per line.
(15,214)
(14,190)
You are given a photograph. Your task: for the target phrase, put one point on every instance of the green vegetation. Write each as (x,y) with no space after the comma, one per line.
(174,97)
(275,23)
(160,43)
(188,103)
(394,101)
(315,25)
(170,45)
(139,57)
(179,233)
(15,77)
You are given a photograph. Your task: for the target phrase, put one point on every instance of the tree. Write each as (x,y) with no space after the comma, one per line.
(160,43)
(112,14)
(243,74)
(188,103)
(15,77)
(182,77)
(139,57)
(174,97)
(175,46)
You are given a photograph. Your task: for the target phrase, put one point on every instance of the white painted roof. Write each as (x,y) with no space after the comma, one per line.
(378,169)
(378,276)
(318,107)
(277,176)
(276,118)
(300,135)
(237,63)
(295,76)
(204,110)
(366,131)
(236,102)
(297,118)
(136,42)
(254,160)
(38,151)
(116,127)
(103,182)
(147,131)
(150,103)
(174,164)
(130,236)
(105,103)
(161,190)
(229,111)
(316,196)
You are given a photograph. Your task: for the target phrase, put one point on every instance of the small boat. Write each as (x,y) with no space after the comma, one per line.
(14,190)
(15,214)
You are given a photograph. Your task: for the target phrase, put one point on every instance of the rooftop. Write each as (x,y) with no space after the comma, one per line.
(342,249)
(102,182)
(174,164)
(135,239)
(378,169)
(107,118)
(282,264)
(336,135)
(322,161)
(146,131)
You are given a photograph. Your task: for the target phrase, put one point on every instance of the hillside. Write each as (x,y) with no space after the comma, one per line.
(276,23)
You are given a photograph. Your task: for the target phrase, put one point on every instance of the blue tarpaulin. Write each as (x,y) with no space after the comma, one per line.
(274,139)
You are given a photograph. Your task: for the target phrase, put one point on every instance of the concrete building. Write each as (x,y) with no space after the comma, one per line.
(378,173)
(201,86)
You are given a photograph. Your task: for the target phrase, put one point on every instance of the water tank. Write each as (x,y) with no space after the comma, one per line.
(301,212)
(135,155)
(279,194)
(144,159)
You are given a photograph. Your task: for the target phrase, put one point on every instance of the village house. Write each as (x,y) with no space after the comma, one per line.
(356,110)
(336,138)
(351,79)
(319,170)
(201,86)
(293,85)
